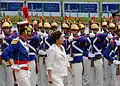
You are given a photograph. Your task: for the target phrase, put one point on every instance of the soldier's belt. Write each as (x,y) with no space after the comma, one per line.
(43,55)
(31,54)
(97,57)
(20,62)
(80,54)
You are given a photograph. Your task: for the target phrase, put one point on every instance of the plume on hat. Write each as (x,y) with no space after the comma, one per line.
(25,12)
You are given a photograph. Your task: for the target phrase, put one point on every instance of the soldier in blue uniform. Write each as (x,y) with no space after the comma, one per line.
(76,51)
(6,27)
(33,41)
(104,29)
(19,49)
(82,33)
(45,43)
(111,54)
(2,68)
(65,29)
(95,41)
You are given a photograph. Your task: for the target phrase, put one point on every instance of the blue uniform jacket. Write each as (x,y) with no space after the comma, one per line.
(94,44)
(111,52)
(78,46)
(45,43)
(18,50)
(33,49)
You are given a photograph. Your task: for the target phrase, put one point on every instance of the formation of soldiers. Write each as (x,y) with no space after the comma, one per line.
(94,54)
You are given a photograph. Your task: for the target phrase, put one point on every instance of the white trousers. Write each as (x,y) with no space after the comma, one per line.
(113,74)
(33,73)
(85,72)
(6,75)
(2,76)
(10,78)
(23,77)
(77,69)
(69,79)
(96,73)
(106,71)
(42,72)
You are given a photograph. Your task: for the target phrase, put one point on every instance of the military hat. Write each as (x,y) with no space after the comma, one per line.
(74,26)
(47,24)
(82,26)
(21,24)
(5,25)
(65,26)
(34,22)
(54,23)
(94,26)
(104,23)
(40,25)
(112,25)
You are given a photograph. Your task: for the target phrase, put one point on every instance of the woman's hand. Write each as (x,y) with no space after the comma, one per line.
(50,80)
(73,75)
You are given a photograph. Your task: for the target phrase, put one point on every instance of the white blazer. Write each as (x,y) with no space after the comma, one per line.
(57,61)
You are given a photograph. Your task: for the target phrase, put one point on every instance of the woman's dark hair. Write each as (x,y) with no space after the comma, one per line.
(55,36)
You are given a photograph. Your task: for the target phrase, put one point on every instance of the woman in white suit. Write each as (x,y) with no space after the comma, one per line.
(57,62)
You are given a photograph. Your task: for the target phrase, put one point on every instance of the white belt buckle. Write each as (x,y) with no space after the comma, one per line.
(91,55)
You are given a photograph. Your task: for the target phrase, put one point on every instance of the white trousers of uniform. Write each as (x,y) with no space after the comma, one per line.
(8,74)
(96,73)
(85,72)
(42,72)
(33,72)
(113,75)
(77,69)
(2,76)
(23,77)
(69,79)
(106,72)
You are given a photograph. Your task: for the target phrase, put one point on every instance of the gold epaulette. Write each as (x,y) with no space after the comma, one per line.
(15,41)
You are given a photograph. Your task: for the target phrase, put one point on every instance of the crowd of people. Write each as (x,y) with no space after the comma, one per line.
(39,53)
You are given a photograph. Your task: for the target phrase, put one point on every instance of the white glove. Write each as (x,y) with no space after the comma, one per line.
(39,33)
(0,53)
(69,58)
(2,36)
(92,35)
(100,32)
(71,38)
(116,62)
(15,67)
(45,35)
(117,42)
(110,36)
(41,52)
(91,55)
